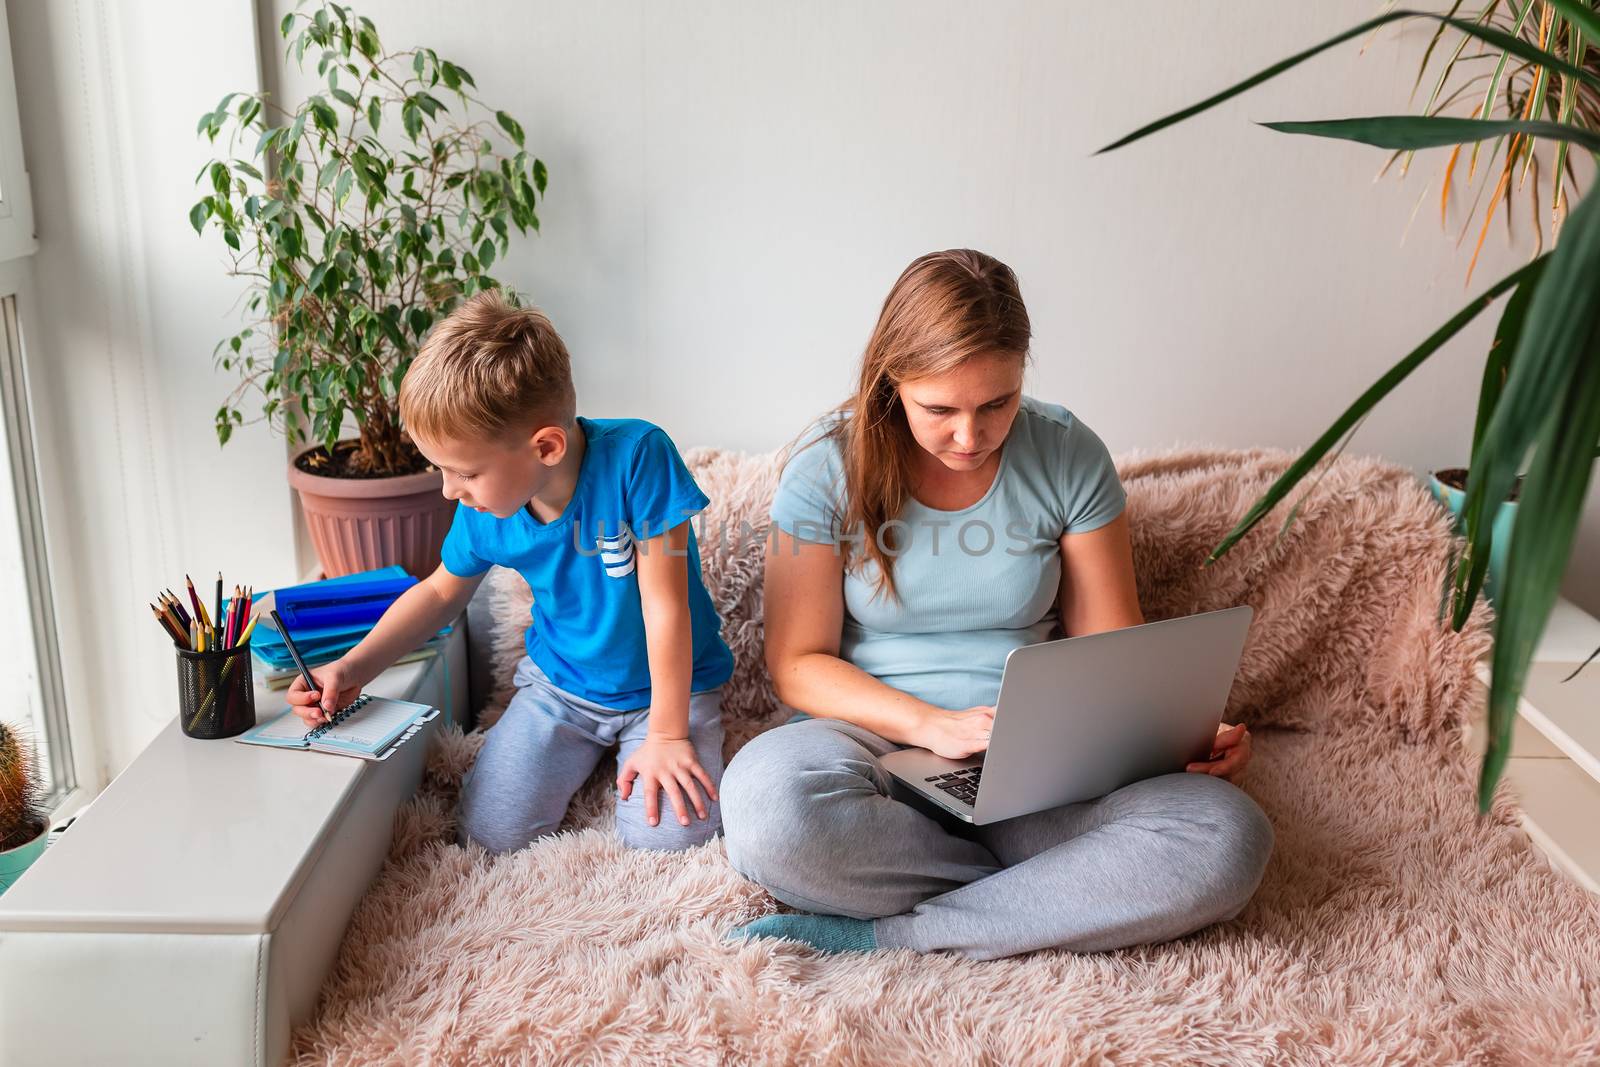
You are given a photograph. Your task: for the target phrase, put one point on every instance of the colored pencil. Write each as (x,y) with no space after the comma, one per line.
(177,607)
(244,635)
(194,598)
(166,624)
(219,598)
(173,620)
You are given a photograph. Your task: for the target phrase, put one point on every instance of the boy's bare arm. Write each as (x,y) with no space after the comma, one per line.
(666,762)
(410,620)
(664,597)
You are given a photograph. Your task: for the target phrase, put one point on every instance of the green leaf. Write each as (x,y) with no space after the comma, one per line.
(1506,336)
(540,175)
(1557,337)
(342,189)
(486,253)
(219,178)
(1499,38)
(323,115)
(1548,511)
(268,137)
(1363,404)
(198,215)
(374,113)
(1433,131)
(412,119)
(510,125)
(283,27)
(420,319)
(344,97)
(1580,15)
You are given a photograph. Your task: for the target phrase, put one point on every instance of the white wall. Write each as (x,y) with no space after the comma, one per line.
(734,186)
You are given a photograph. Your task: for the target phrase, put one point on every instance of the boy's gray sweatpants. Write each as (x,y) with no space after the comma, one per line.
(807,814)
(545,747)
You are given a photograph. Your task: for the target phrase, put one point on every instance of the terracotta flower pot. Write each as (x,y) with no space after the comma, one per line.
(360,524)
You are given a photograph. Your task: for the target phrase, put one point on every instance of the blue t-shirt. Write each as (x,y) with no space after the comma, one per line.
(588,631)
(974,583)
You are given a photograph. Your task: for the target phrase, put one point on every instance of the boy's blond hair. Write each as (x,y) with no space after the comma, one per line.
(487,368)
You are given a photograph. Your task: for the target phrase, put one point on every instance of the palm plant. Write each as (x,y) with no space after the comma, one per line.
(1541,381)
(1492,81)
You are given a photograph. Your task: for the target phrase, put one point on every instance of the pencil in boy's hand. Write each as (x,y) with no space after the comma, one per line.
(294,651)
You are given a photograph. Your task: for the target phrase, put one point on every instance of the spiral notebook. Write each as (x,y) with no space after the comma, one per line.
(368,728)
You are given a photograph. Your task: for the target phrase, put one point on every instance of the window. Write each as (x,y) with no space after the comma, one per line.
(29,653)
(29,657)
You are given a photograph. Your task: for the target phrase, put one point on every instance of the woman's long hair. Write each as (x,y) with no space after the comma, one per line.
(945,308)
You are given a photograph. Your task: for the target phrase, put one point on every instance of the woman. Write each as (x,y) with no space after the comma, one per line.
(923,530)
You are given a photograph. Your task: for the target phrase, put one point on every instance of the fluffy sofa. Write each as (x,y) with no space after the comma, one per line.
(1393,924)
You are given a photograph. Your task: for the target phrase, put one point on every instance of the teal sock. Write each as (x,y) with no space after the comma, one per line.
(826,933)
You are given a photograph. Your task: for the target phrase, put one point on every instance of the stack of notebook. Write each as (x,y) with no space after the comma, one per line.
(328,619)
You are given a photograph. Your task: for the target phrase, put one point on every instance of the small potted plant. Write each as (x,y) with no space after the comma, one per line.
(356,232)
(23,825)
(1449,487)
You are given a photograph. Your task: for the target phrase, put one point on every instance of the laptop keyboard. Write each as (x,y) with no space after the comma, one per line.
(959,785)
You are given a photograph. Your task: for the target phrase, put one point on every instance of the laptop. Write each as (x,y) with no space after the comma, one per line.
(1081,716)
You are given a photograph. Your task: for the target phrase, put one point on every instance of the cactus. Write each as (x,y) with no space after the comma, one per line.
(21,791)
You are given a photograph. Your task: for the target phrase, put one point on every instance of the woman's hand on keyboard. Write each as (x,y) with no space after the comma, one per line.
(334,679)
(956,734)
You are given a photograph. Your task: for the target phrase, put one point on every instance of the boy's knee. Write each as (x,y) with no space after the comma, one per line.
(669,835)
(497,836)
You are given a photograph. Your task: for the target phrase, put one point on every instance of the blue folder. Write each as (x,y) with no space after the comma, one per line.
(330,617)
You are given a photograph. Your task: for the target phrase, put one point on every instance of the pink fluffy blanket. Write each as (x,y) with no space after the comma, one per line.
(1393,925)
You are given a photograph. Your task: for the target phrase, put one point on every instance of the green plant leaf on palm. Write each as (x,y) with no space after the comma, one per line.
(1503,40)
(1541,386)
(1422,131)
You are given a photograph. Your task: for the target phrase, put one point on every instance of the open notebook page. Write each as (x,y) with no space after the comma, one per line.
(372,726)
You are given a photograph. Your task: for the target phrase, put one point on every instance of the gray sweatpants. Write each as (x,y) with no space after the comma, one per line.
(545,747)
(807,814)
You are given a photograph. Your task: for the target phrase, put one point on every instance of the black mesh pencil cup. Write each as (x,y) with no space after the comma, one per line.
(216,694)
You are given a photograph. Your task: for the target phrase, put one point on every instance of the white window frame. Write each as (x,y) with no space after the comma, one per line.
(16,205)
(68,736)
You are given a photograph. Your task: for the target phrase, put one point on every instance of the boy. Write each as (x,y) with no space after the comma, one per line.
(625,646)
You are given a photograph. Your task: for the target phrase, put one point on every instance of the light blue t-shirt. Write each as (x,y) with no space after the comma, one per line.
(588,631)
(973,584)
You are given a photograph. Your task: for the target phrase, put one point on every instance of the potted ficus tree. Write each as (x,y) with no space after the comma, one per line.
(23,825)
(358,219)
